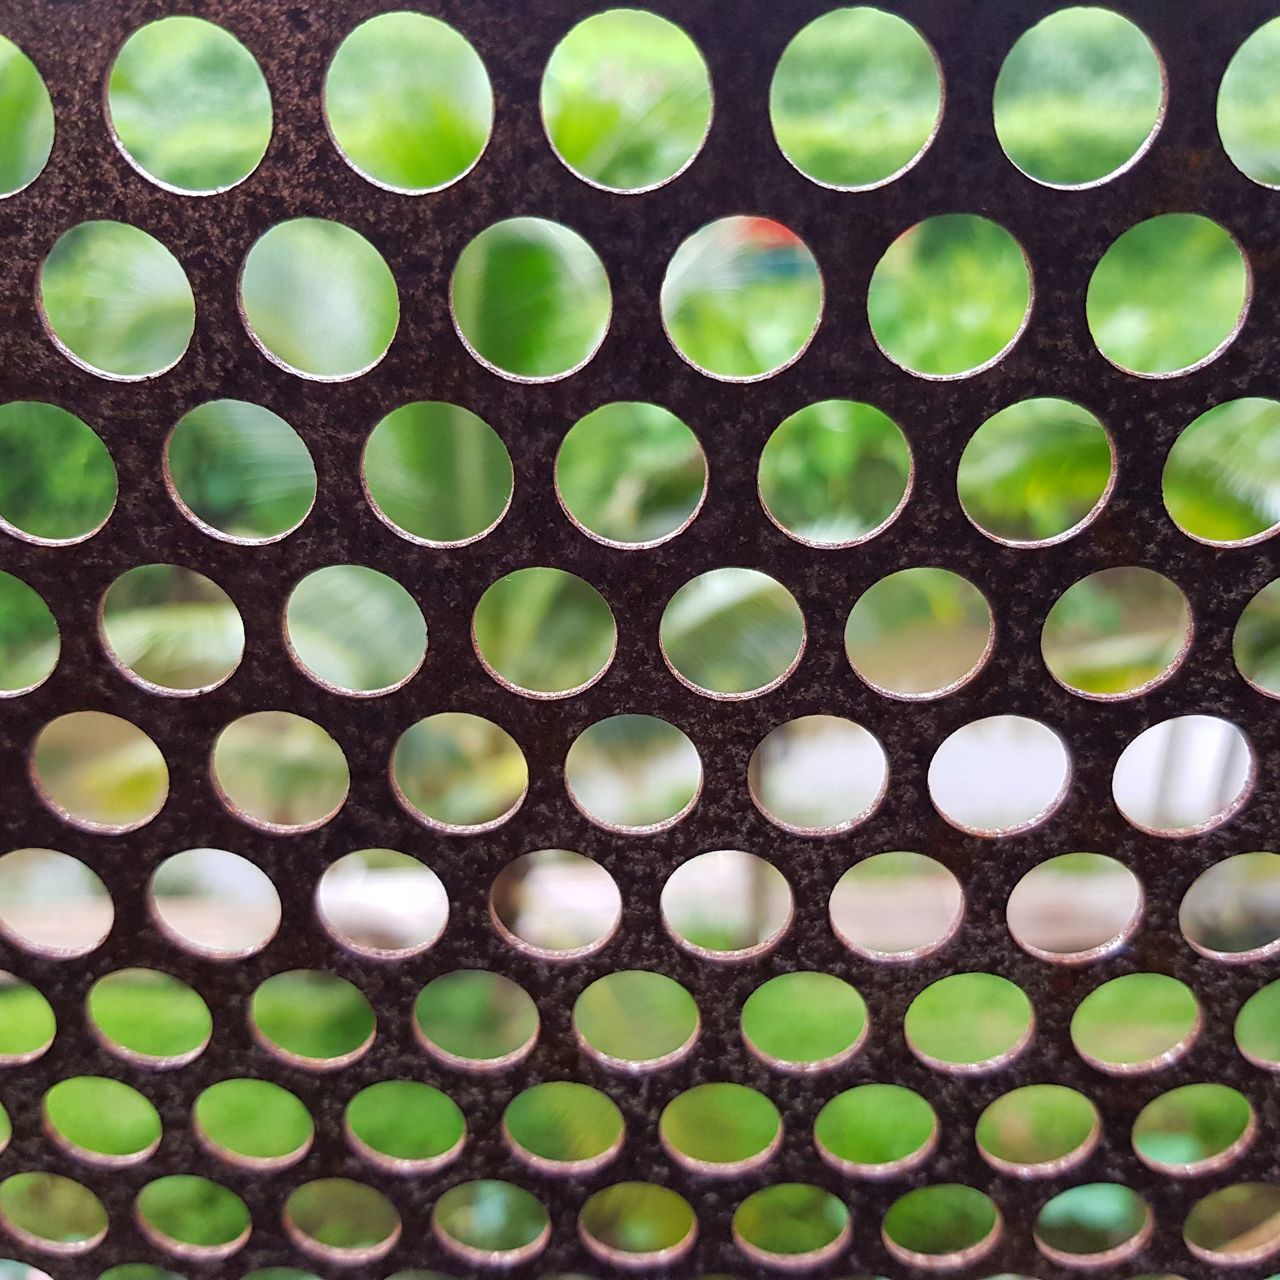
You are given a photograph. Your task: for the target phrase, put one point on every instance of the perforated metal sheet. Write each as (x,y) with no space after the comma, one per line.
(739,171)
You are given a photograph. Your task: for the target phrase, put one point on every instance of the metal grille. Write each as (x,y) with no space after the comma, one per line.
(740,170)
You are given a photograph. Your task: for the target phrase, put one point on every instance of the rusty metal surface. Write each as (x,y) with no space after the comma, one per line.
(739,171)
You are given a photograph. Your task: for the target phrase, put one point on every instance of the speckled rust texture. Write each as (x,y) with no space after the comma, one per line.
(739,171)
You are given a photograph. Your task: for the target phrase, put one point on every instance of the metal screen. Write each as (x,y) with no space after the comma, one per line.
(740,170)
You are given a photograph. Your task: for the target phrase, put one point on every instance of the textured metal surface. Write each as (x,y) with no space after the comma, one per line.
(739,171)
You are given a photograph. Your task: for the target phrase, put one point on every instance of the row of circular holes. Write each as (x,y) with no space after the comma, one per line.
(695,1130)
(939,606)
(968,780)
(1208,1230)
(889,907)
(611,46)
(963,1024)
(322,604)
(296,334)
(605,431)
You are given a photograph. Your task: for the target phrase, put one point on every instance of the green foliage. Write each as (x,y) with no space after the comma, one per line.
(312,1014)
(117,299)
(855,97)
(408,101)
(1167,293)
(438,472)
(741,297)
(27,136)
(1078,96)
(405,1120)
(949,294)
(531,297)
(241,469)
(252,1118)
(626,99)
(1248,102)
(631,472)
(189,104)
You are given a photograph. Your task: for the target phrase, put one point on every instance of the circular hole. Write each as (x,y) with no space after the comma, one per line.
(490,1223)
(1038,1131)
(1236,1225)
(405,1126)
(817,775)
(145,1271)
(919,633)
(27,1023)
(742,298)
(1183,775)
(408,102)
(950,296)
(1257,1028)
(1256,643)
(896,906)
(1097,1224)
(437,474)
(563,1127)
(999,775)
(876,1131)
(727,905)
(1079,97)
(189,106)
(531,299)
(637,1225)
(173,628)
(193,1217)
(969,1022)
(544,632)
(1136,1023)
(1075,907)
(631,474)
(29,640)
(252,1123)
(52,1214)
(943,1226)
(1232,912)
(720,1129)
(240,471)
(1116,632)
(355,629)
(633,773)
(1247,102)
(52,903)
(732,633)
(279,771)
(804,1021)
(312,1018)
(636,1020)
(57,480)
(856,98)
(215,902)
(1035,472)
(319,299)
(149,1017)
(382,903)
(555,903)
(102,1120)
(791,1225)
(26,135)
(459,772)
(341,1221)
(99,772)
(1220,484)
(1167,295)
(1193,1129)
(117,302)
(476,1019)
(834,473)
(626,100)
